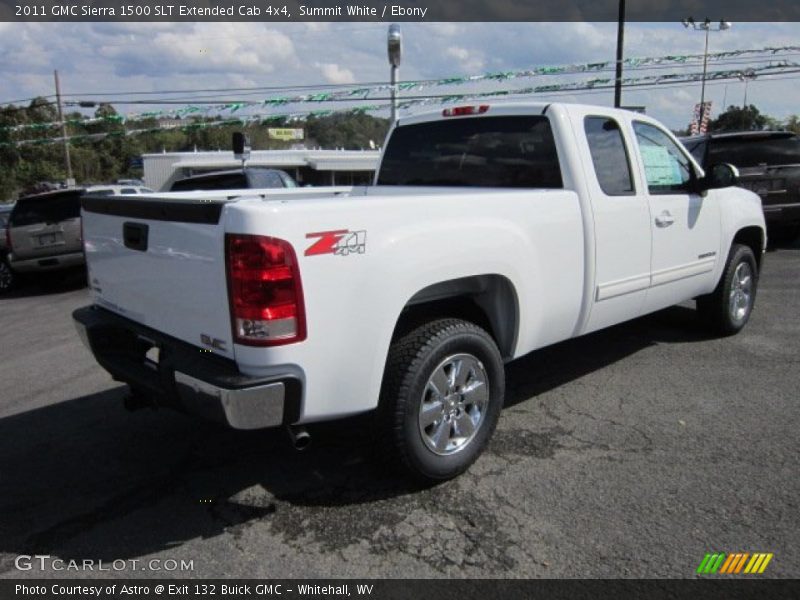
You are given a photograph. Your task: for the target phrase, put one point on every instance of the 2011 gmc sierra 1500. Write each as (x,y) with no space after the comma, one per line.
(491,231)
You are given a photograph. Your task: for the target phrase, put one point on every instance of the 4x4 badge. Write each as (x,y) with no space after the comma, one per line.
(340,241)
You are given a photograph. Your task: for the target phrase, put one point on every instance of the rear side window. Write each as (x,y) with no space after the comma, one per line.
(288,181)
(506,152)
(227,181)
(609,156)
(46,209)
(752,151)
(265,179)
(128,191)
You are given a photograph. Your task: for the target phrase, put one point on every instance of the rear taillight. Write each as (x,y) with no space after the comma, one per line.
(461,111)
(264,288)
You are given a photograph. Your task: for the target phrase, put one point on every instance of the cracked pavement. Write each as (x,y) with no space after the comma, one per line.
(627,453)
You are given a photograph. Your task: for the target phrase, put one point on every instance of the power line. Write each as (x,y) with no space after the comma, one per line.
(342,86)
(216,99)
(729,74)
(28,100)
(409,100)
(248,91)
(7,109)
(632,64)
(571,88)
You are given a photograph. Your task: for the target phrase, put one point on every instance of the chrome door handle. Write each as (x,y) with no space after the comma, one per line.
(664,219)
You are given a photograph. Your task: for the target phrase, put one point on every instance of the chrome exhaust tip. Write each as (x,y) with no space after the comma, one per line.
(299,437)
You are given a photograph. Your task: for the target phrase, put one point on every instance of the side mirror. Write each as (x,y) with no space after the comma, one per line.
(720,175)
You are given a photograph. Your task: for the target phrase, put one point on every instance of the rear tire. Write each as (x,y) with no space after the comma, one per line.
(7,277)
(441,398)
(727,309)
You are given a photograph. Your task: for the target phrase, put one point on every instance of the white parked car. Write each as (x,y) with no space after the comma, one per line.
(490,232)
(118,190)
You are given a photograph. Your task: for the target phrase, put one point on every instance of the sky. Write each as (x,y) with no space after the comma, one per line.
(135,57)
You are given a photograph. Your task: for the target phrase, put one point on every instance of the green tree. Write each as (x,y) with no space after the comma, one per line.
(349,131)
(793,124)
(740,118)
(41,110)
(102,151)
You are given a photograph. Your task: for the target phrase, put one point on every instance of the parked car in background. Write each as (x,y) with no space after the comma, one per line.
(130,182)
(235,179)
(5,210)
(44,232)
(769,165)
(118,190)
(6,274)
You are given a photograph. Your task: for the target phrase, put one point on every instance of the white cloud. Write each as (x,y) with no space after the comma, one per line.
(127,57)
(333,73)
(468,61)
(456,52)
(445,29)
(203,48)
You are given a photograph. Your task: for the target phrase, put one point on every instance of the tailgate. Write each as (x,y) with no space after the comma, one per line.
(161,263)
(41,240)
(776,185)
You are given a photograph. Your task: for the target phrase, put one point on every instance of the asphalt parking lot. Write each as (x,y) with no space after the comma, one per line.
(628,453)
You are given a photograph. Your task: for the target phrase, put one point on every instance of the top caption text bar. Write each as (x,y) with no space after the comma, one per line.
(285,11)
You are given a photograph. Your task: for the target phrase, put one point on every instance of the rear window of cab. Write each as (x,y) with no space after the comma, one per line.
(498,152)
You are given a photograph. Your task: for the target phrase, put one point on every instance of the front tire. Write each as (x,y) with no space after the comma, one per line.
(441,398)
(727,309)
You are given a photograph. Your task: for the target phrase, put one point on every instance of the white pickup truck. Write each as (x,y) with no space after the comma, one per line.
(491,231)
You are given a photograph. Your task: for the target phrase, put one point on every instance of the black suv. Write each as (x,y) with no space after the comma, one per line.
(236,179)
(769,165)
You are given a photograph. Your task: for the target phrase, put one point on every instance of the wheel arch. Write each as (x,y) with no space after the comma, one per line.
(489,301)
(753,237)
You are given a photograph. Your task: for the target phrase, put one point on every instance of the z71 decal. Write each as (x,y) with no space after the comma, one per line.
(341,242)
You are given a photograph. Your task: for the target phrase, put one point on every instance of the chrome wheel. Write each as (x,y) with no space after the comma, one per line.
(453,404)
(741,292)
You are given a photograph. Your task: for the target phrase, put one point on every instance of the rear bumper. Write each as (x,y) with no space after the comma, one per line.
(47,263)
(186,377)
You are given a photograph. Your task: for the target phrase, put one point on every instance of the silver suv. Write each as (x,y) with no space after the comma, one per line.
(44,232)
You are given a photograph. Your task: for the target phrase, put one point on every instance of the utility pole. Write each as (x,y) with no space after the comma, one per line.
(620,44)
(395,49)
(705,70)
(704,26)
(70,178)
